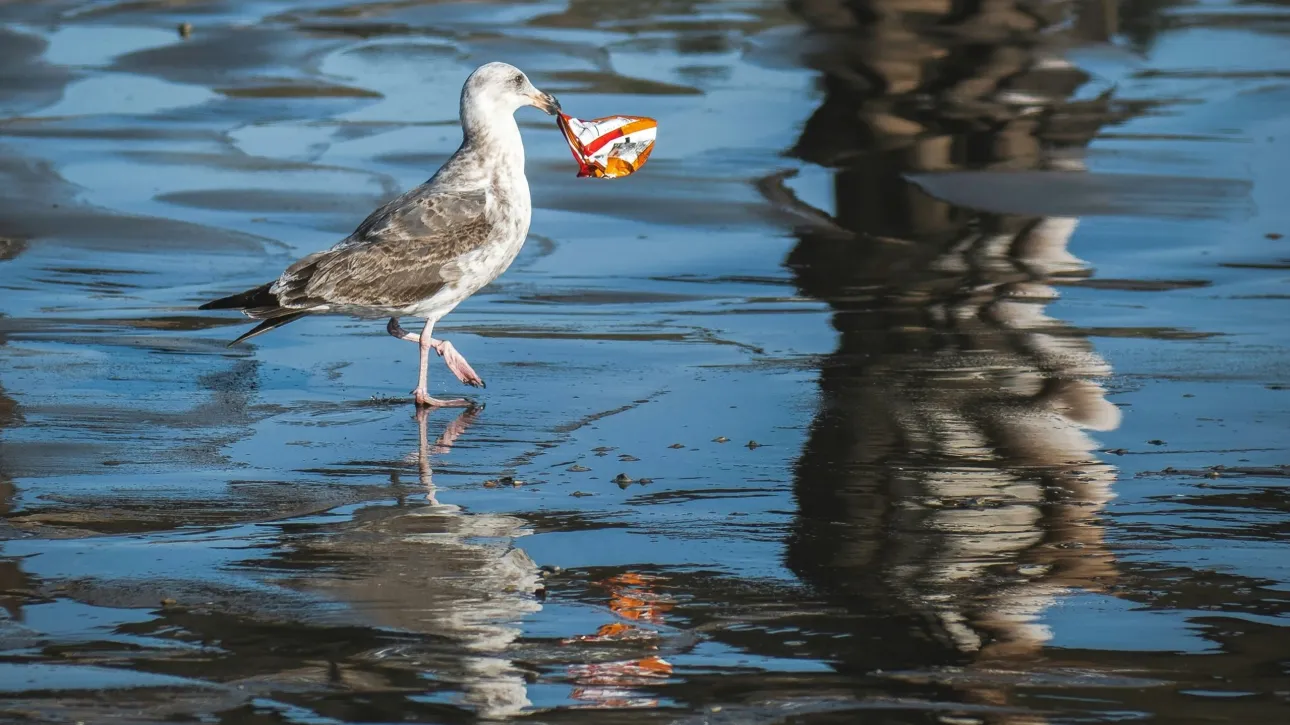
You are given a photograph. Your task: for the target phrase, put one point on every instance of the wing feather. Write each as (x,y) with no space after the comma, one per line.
(398,256)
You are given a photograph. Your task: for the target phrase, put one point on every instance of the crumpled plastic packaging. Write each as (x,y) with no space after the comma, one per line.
(609,147)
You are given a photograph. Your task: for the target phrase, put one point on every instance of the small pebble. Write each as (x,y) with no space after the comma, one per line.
(622,478)
(721,439)
(168,602)
(549,570)
(753,445)
(575,468)
(1213,474)
(540,593)
(644,481)
(1273,235)
(185,30)
(1155,442)
(490,484)
(627,459)
(580,494)
(677,445)
(603,449)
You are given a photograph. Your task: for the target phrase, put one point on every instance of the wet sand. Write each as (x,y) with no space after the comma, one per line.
(933,370)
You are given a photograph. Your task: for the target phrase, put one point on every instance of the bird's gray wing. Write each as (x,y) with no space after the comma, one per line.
(398,256)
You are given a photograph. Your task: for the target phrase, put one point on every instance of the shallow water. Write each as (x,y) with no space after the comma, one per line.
(945,352)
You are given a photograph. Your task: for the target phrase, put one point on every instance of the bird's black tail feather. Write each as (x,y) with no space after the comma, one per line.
(260,304)
(270,324)
(258,297)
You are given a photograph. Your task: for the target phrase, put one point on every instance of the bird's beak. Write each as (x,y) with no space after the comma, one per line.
(546,102)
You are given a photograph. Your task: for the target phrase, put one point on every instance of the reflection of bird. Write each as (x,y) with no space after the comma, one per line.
(425,252)
(455,577)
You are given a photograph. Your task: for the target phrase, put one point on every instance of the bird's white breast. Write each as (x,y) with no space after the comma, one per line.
(509,212)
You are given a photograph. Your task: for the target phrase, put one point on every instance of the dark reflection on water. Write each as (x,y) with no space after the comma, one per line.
(949,494)
(13,582)
(947,491)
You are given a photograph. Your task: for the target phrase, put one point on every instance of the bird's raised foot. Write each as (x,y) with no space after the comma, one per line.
(458,365)
(423,400)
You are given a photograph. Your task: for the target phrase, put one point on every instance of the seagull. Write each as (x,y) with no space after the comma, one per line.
(425,252)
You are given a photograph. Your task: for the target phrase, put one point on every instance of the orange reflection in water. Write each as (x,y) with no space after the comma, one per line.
(611,684)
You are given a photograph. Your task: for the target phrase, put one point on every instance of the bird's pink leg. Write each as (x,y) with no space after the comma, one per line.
(394,328)
(455,362)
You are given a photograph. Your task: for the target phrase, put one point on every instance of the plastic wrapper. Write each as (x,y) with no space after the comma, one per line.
(609,147)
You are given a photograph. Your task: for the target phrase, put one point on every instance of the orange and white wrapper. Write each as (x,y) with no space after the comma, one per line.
(609,147)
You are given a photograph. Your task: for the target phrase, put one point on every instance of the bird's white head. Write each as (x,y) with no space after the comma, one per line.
(494,92)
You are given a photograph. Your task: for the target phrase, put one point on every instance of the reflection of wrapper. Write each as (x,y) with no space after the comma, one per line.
(606,148)
(621,683)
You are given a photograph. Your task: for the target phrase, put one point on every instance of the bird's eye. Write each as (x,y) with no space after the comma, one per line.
(518,81)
